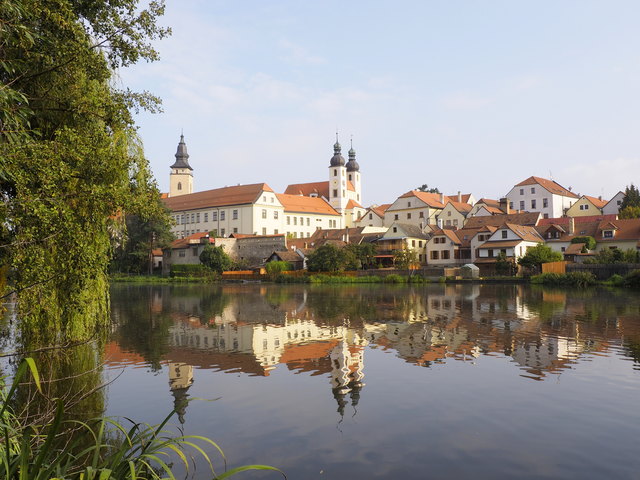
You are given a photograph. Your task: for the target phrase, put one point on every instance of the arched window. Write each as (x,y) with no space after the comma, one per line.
(179,185)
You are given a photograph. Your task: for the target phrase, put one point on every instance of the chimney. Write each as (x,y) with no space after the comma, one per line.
(572,226)
(459,197)
(600,197)
(442,198)
(504,205)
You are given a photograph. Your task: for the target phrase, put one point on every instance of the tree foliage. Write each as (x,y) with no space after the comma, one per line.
(361,256)
(615,255)
(71,163)
(589,242)
(631,197)
(629,212)
(327,258)
(538,255)
(275,268)
(425,188)
(215,258)
(406,258)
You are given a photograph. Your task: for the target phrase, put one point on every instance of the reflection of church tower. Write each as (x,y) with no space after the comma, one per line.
(181,178)
(337,179)
(180,379)
(346,374)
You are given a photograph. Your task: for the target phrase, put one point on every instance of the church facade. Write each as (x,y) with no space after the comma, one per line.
(257,210)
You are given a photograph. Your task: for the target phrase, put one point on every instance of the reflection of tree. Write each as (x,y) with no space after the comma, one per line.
(212,304)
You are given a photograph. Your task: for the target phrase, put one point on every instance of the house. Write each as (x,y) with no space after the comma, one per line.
(509,239)
(443,248)
(304,215)
(586,206)
(292,257)
(401,236)
(559,232)
(454,214)
(373,216)
(415,208)
(487,206)
(537,194)
(613,205)
(620,234)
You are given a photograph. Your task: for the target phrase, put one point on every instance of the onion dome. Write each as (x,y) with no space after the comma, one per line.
(182,157)
(337,160)
(352,165)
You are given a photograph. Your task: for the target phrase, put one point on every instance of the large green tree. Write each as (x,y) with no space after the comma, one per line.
(328,258)
(631,197)
(215,258)
(538,255)
(71,165)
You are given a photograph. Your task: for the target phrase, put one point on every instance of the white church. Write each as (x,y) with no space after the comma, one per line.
(256,209)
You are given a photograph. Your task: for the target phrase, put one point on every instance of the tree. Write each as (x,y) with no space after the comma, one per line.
(629,212)
(631,197)
(503,265)
(363,255)
(215,258)
(538,255)
(327,258)
(589,242)
(275,268)
(615,255)
(425,188)
(405,258)
(71,163)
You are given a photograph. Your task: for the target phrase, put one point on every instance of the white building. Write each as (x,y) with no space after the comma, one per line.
(613,206)
(537,194)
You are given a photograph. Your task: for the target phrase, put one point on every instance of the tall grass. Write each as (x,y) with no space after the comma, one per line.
(101,449)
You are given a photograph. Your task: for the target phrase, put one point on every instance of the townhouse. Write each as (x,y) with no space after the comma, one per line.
(537,194)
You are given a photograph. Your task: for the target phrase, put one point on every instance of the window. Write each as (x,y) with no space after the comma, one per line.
(413,243)
(408,216)
(371,216)
(421,215)
(335,192)
(234,215)
(435,255)
(275,214)
(503,251)
(264,213)
(194,251)
(264,198)
(235,229)
(288,220)
(271,199)
(511,205)
(490,252)
(264,230)
(504,234)
(197,218)
(335,173)
(521,204)
(455,222)
(562,249)
(533,189)
(420,243)
(607,233)
(545,202)
(522,191)
(349,177)
(301,234)
(619,202)
(193,218)
(179,185)
(214,216)
(533,203)
(445,254)
(395,217)
(448,214)
(182,253)
(546,215)
(409,204)
(308,222)
(206,217)
(275,231)
(448,223)
(295,220)
(301,221)
(222,232)
(395,229)
(222,214)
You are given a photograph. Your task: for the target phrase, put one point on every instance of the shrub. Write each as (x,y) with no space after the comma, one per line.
(276,268)
(394,278)
(632,279)
(576,279)
(588,241)
(616,280)
(189,271)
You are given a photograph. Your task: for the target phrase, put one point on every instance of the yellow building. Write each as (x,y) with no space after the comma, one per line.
(587,206)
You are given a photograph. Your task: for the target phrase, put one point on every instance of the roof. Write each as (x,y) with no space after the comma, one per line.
(628,229)
(597,202)
(318,188)
(353,204)
(548,185)
(489,202)
(501,244)
(574,249)
(465,197)
(525,218)
(350,186)
(525,232)
(450,234)
(614,197)
(302,204)
(412,231)
(194,239)
(288,256)
(352,235)
(576,220)
(461,206)
(218,197)
(431,199)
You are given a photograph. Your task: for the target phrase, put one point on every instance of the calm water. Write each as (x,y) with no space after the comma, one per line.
(388,382)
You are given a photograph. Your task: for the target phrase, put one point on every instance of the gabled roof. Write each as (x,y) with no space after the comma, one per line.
(597,202)
(412,231)
(319,188)
(465,197)
(450,234)
(613,198)
(194,239)
(218,197)
(548,185)
(350,186)
(526,218)
(576,220)
(353,204)
(461,207)
(627,229)
(489,202)
(525,232)
(302,204)
(287,256)
(431,199)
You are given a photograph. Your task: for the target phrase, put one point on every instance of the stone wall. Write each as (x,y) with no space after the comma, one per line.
(255,250)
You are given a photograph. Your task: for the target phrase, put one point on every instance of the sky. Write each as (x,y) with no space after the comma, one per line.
(471,96)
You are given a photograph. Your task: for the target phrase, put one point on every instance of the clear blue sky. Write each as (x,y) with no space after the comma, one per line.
(463,95)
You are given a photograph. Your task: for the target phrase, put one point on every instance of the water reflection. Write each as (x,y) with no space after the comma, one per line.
(324,330)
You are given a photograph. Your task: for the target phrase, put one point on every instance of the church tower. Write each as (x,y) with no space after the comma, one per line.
(181,178)
(353,174)
(337,179)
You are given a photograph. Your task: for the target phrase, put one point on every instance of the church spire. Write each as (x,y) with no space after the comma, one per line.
(352,165)
(182,157)
(337,160)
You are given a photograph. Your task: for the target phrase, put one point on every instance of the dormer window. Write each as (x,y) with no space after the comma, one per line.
(607,234)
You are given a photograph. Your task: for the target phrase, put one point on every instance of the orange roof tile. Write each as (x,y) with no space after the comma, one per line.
(597,202)
(576,220)
(318,188)
(548,185)
(302,204)
(353,204)
(431,199)
(465,197)
(194,239)
(218,197)
(527,218)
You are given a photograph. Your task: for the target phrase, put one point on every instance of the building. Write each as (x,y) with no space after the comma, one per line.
(510,240)
(454,214)
(586,206)
(401,236)
(613,205)
(373,216)
(415,208)
(537,194)
(257,210)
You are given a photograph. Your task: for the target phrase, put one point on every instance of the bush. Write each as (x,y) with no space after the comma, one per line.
(189,271)
(321,278)
(632,279)
(588,241)
(276,268)
(616,280)
(576,279)
(394,278)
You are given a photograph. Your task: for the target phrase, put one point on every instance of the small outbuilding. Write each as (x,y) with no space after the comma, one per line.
(470,271)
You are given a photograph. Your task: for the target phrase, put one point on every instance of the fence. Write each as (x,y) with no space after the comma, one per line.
(604,271)
(555,267)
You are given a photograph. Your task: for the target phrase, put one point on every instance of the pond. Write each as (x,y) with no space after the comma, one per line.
(362,382)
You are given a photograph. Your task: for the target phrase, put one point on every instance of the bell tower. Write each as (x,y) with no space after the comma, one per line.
(337,179)
(181,177)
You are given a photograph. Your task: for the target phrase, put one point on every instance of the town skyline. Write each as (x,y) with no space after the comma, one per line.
(498,91)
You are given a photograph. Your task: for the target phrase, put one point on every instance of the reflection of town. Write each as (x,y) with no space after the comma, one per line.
(325,331)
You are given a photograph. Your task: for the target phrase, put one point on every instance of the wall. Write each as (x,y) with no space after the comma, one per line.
(255,250)
(603,272)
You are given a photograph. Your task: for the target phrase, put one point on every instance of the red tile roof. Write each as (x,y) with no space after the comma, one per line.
(318,188)
(465,197)
(576,220)
(194,239)
(597,202)
(353,204)
(218,197)
(431,199)
(548,185)
(302,204)
(526,218)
